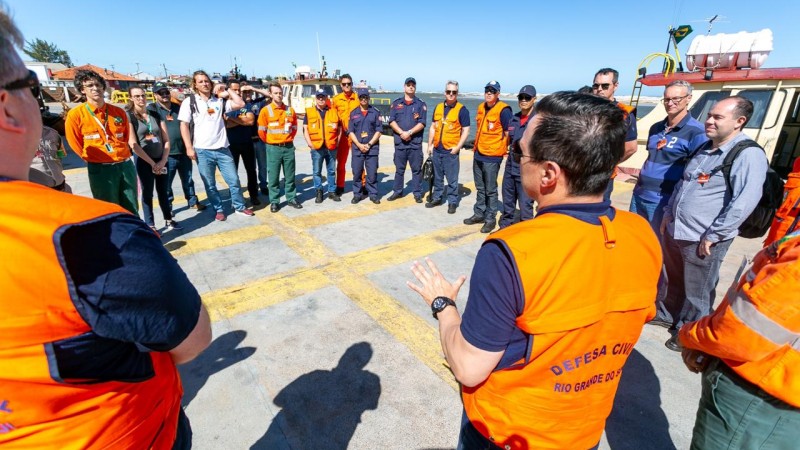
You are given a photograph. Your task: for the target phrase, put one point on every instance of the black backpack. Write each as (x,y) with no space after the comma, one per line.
(759,221)
(193,110)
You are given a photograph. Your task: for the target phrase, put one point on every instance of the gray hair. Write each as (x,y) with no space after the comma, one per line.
(453,82)
(680,83)
(10,38)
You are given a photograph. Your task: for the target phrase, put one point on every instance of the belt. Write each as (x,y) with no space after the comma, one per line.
(286,144)
(109,163)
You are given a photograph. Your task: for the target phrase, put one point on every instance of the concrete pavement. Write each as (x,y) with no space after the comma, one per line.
(319,344)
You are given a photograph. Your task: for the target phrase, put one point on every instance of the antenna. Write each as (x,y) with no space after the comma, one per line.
(319,54)
(711,21)
(137,67)
(166,75)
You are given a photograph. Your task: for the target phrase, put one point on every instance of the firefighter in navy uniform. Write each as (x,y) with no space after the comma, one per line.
(407,119)
(365,132)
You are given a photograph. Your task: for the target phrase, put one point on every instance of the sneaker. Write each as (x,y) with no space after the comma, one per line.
(245,212)
(220,217)
(198,206)
(334,196)
(394,196)
(474,220)
(173,225)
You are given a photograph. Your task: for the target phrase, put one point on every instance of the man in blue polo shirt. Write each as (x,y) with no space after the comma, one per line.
(670,144)
(449,131)
(254,105)
(365,134)
(239,127)
(407,119)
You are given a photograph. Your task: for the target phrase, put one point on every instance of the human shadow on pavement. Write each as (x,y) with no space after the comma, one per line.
(221,354)
(637,420)
(322,409)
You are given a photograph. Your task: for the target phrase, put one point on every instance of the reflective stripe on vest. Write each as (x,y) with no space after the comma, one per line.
(584,326)
(447,129)
(490,138)
(279,125)
(41,407)
(767,328)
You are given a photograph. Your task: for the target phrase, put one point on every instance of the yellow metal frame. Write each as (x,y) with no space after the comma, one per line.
(637,85)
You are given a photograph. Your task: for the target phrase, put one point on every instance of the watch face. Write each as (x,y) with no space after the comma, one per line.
(438,304)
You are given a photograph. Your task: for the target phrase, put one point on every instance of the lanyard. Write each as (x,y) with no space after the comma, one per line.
(102,125)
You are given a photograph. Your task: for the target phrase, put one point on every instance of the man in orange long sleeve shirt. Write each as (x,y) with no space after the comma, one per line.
(98,133)
(344,102)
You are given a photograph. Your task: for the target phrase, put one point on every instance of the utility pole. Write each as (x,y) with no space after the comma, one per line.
(166,75)
(137,68)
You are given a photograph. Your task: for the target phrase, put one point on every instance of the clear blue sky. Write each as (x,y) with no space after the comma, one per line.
(553,45)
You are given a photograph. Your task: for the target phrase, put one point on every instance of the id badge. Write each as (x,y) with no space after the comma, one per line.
(169,118)
(363,134)
(154,140)
(660,144)
(491,125)
(211,111)
(109,148)
(703,178)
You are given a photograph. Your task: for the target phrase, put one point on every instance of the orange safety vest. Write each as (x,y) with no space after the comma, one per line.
(322,133)
(491,139)
(277,125)
(788,213)
(39,410)
(446,129)
(756,328)
(582,327)
(344,106)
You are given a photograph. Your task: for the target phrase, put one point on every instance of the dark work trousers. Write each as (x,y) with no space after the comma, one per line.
(691,280)
(361,161)
(514,193)
(148,179)
(446,165)
(247,152)
(413,157)
(485,176)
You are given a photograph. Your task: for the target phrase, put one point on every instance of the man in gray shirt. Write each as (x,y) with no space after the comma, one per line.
(703,216)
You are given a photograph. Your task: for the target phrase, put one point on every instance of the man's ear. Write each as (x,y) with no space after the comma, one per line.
(9,111)
(551,172)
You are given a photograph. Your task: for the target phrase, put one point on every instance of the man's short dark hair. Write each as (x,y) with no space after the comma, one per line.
(606,71)
(585,90)
(273,84)
(347,75)
(233,81)
(82,76)
(584,134)
(744,108)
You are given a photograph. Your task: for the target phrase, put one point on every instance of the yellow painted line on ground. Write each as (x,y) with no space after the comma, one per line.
(299,240)
(218,240)
(266,292)
(75,171)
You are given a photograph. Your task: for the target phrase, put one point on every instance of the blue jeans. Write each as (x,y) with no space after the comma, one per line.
(413,157)
(513,192)
(329,157)
(208,160)
(652,212)
(691,280)
(446,165)
(182,165)
(485,175)
(147,179)
(261,162)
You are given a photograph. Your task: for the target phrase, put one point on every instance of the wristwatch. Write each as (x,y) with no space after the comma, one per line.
(439,304)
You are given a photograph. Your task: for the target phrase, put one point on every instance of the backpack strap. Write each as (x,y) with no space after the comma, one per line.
(727,163)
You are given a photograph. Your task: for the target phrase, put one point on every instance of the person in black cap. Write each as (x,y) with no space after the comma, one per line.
(321,131)
(365,133)
(513,192)
(491,145)
(407,119)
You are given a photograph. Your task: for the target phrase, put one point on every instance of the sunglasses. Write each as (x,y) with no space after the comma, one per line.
(361,97)
(163,93)
(30,81)
(524,98)
(492,91)
(449,92)
(601,86)
(347,84)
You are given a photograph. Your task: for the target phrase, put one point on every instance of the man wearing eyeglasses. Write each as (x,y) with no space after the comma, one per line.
(96,312)
(513,191)
(605,85)
(491,144)
(365,133)
(178,162)
(449,131)
(344,103)
(670,143)
(98,132)
(539,349)
(407,119)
